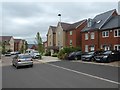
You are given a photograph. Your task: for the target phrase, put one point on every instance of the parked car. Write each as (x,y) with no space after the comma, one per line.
(22,60)
(74,55)
(17,52)
(12,53)
(7,54)
(89,56)
(35,54)
(108,56)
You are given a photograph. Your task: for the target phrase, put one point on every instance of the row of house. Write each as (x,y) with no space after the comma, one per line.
(101,32)
(11,43)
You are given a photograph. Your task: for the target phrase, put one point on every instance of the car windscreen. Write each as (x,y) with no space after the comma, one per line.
(24,56)
(78,53)
(72,53)
(107,52)
(90,53)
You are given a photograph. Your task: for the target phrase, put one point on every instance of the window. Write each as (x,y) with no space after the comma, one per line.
(86,48)
(86,36)
(106,47)
(92,35)
(116,47)
(92,48)
(117,33)
(70,42)
(70,32)
(105,34)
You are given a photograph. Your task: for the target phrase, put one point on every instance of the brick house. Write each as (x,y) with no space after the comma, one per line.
(9,42)
(51,40)
(110,34)
(73,35)
(99,32)
(45,46)
(32,46)
(18,44)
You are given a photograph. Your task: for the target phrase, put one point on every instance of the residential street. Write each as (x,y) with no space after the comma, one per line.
(58,74)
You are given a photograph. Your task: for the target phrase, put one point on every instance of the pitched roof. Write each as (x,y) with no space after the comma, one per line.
(5,38)
(53,28)
(99,20)
(17,40)
(114,22)
(31,45)
(64,25)
(75,25)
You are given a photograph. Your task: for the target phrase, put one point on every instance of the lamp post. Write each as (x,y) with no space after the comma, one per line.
(59,32)
(59,17)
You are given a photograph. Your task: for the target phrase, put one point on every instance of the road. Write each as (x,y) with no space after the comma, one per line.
(61,74)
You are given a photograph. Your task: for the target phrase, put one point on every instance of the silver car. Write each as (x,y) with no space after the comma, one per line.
(22,60)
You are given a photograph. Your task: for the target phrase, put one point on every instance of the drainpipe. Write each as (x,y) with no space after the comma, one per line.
(98,40)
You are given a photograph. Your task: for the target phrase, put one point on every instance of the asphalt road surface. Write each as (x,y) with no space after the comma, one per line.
(61,74)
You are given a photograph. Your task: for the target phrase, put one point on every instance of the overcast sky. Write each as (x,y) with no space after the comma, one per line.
(25,19)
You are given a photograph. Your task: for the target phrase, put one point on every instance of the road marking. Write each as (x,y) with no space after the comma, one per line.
(85,74)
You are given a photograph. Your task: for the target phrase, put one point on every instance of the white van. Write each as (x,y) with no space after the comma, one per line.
(34,54)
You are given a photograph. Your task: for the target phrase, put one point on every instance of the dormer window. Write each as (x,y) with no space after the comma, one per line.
(89,23)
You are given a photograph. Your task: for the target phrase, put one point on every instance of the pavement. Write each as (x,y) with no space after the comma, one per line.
(51,72)
(55,59)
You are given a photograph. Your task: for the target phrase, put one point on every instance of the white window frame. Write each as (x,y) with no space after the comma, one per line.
(117,33)
(70,32)
(92,35)
(86,36)
(86,48)
(117,45)
(105,34)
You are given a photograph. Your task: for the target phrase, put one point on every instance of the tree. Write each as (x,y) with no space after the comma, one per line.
(22,49)
(3,47)
(39,43)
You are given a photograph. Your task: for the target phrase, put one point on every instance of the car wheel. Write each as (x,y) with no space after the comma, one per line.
(92,59)
(13,65)
(31,65)
(17,67)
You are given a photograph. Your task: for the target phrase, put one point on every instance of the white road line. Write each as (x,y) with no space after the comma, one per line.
(85,74)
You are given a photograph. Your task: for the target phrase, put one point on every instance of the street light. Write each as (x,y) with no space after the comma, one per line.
(59,32)
(60,17)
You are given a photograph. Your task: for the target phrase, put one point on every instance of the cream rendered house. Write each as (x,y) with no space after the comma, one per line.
(51,39)
(61,34)
(9,42)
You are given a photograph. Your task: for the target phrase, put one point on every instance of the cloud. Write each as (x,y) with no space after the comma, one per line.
(25,19)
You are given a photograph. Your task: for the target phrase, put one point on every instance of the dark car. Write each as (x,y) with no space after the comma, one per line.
(108,56)
(89,56)
(74,55)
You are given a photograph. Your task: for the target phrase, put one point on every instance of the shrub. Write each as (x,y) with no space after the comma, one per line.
(63,53)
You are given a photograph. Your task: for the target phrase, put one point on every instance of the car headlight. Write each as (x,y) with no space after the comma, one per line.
(105,56)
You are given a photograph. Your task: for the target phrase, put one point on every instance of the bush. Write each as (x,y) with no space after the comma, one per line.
(55,55)
(63,53)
